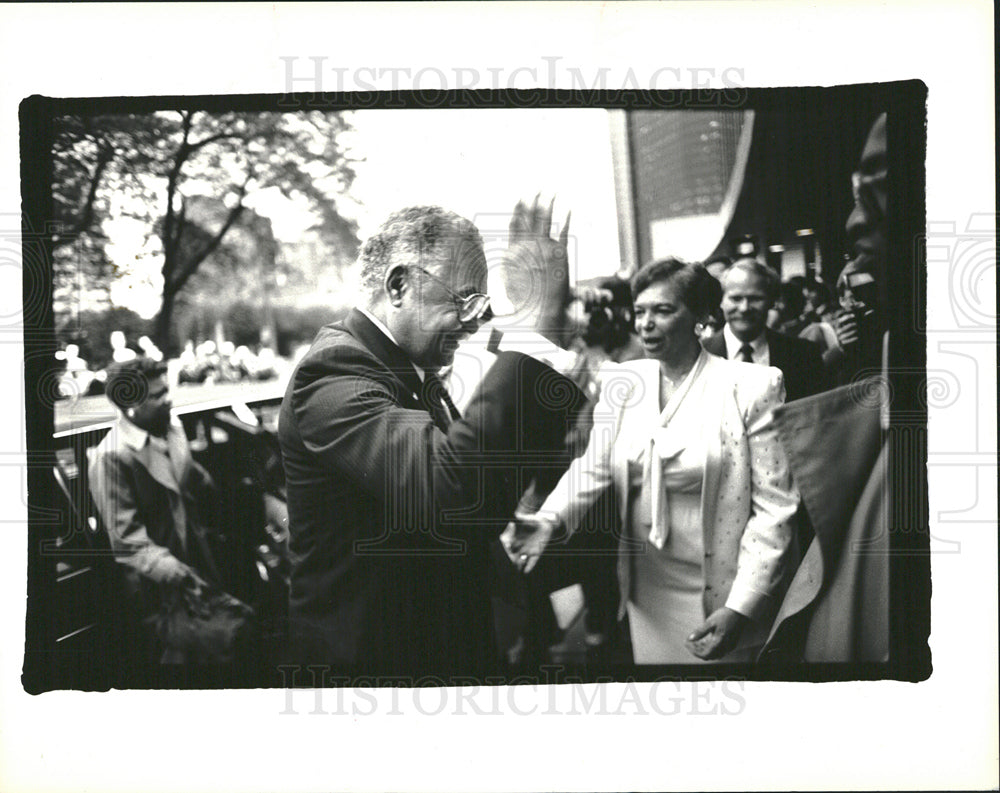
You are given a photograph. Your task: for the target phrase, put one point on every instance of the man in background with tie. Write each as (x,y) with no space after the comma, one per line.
(394,496)
(749,289)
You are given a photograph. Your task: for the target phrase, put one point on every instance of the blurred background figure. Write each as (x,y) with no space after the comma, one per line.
(717,265)
(749,290)
(712,326)
(226,363)
(155,503)
(149,349)
(77,378)
(120,350)
(858,323)
(605,326)
(819,305)
(74,363)
(790,307)
(820,318)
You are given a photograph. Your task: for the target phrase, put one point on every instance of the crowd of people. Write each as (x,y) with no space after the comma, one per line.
(206,363)
(225,363)
(427,474)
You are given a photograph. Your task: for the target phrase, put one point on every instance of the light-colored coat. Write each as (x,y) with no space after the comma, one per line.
(748,502)
(147,511)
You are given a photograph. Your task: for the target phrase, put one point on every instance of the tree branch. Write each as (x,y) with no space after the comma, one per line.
(181,220)
(183,273)
(212,138)
(105,155)
(171,230)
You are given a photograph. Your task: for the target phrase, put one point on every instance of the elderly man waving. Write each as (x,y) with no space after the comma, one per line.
(394,496)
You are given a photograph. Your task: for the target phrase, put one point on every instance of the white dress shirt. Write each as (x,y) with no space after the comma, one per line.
(761,354)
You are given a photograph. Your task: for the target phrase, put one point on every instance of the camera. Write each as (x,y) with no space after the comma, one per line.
(606,308)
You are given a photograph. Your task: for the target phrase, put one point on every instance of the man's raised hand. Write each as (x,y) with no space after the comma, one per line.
(534,273)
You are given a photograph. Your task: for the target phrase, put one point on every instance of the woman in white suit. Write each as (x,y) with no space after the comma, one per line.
(703,485)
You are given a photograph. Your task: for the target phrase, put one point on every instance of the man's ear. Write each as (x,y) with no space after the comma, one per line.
(396,284)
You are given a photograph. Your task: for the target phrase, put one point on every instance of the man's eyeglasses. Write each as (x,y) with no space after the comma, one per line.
(469,307)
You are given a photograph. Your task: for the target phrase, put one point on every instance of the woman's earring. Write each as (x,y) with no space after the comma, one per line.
(699,328)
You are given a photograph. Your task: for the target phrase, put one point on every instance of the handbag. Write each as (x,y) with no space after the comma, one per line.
(202,624)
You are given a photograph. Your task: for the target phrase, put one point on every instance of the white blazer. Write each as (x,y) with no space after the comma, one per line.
(748,502)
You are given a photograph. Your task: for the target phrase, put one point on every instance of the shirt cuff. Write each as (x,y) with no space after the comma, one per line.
(748,602)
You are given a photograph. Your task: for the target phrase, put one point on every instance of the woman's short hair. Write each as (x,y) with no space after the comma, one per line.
(699,291)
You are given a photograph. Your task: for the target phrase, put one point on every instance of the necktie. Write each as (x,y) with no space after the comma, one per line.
(435,395)
(746,353)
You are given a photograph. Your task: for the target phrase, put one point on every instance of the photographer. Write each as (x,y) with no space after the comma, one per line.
(857,322)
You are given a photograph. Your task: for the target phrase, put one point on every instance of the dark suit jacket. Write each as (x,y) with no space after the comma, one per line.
(800,361)
(391,516)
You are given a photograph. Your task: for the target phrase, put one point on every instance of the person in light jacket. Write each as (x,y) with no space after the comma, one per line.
(707,502)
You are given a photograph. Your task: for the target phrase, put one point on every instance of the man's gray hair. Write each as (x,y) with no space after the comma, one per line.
(419,235)
(770,279)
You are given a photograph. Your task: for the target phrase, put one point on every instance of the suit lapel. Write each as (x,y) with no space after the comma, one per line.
(776,349)
(818,433)
(637,417)
(180,455)
(158,468)
(395,360)
(713,449)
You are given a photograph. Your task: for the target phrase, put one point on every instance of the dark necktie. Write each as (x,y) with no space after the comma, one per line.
(746,353)
(436,398)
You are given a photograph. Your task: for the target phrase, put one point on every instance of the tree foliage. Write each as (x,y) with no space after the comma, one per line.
(91,331)
(187,175)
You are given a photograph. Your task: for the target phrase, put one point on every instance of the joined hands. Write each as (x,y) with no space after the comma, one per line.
(717,635)
(526,538)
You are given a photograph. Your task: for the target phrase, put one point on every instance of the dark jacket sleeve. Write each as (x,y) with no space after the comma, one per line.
(813,369)
(350,417)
